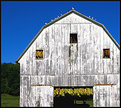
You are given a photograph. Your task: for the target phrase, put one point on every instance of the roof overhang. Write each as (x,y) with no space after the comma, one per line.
(64,15)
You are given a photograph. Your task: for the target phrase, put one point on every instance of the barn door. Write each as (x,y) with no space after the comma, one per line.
(105,96)
(41,96)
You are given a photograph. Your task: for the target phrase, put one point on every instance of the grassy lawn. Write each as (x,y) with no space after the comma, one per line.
(9,101)
(13,101)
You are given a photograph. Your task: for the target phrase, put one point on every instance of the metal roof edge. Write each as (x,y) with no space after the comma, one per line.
(64,15)
(111,37)
(30,44)
(50,23)
(101,25)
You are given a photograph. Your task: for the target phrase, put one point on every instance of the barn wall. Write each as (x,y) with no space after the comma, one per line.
(105,96)
(41,96)
(86,66)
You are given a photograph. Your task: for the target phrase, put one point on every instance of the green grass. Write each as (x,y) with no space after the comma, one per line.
(13,101)
(90,102)
(9,101)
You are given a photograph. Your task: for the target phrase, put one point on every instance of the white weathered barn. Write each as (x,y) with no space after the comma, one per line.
(72,50)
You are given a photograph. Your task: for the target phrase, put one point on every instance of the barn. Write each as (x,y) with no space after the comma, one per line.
(72,50)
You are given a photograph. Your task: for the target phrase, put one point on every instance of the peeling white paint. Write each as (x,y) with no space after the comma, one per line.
(86,68)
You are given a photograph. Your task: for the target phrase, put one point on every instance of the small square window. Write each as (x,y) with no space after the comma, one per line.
(39,54)
(106,53)
(73,38)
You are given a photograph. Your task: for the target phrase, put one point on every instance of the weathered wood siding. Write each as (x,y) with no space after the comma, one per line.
(41,96)
(86,66)
(104,96)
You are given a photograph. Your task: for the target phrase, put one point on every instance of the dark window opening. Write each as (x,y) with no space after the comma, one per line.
(73,38)
(39,54)
(106,53)
(73,96)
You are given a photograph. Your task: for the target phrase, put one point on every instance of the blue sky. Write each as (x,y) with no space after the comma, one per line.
(21,21)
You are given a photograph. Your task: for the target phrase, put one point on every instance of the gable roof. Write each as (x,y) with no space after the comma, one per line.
(66,14)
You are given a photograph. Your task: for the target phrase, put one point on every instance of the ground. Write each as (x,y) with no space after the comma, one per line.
(13,101)
(9,101)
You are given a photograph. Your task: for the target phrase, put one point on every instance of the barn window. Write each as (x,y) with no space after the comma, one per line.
(106,53)
(39,54)
(73,38)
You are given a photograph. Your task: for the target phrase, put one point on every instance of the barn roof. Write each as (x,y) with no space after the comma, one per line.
(64,15)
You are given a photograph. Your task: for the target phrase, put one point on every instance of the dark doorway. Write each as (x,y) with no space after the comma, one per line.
(73,96)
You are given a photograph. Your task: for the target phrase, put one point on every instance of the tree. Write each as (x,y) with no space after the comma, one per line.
(10,78)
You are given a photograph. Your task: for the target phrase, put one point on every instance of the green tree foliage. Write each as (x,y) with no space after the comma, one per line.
(10,78)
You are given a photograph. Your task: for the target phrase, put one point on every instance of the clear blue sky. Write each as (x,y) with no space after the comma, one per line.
(21,21)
